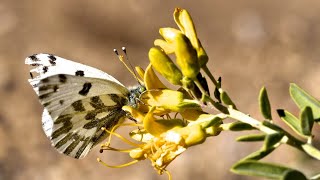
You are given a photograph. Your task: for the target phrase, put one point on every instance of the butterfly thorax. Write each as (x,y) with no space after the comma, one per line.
(134,95)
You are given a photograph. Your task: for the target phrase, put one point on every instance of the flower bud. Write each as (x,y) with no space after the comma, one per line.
(164,65)
(186,25)
(186,57)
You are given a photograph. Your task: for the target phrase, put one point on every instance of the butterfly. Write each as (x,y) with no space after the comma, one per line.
(78,101)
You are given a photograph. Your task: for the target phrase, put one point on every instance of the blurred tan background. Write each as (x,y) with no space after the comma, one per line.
(250,44)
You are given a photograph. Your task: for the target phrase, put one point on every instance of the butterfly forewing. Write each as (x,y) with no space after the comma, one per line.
(78,101)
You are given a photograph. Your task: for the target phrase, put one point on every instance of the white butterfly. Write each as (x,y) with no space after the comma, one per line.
(78,100)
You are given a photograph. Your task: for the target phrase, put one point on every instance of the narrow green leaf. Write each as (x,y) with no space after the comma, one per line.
(272,140)
(226,99)
(307,120)
(290,120)
(303,99)
(312,151)
(240,126)
(216,92)
(264,103)
(257,155)
(270,125)
(266,170)
(251,138)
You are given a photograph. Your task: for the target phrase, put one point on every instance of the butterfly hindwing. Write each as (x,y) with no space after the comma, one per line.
(78,100)
(78,127)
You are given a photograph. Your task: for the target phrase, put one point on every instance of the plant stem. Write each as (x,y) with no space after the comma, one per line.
(214,81)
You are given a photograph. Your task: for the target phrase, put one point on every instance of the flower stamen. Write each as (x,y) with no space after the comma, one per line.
(118,166)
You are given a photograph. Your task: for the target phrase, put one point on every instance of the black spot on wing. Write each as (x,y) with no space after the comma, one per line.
(62,78)
(85,89)
(96,102)
(43,96)
(79,73)
(34,57)
(31,75)
(45,69)
(66,127)
(83,147)
(120,100)
(49,86)
(64,140)
(46,104)
(63,118)
(61,102)
(52,60)
(78,106)
(45,80)
(76,140)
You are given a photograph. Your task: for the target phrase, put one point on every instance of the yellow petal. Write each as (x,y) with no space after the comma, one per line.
(168,48)
(191,114)
(168,99)
(137,115)
(192,135)
(158,126)
(164,65)
(141,135)
(185,23)
(169,34)
(151,80)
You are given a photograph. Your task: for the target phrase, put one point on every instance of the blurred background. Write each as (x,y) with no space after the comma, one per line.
(250,44)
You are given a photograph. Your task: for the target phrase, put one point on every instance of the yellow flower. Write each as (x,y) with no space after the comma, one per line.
(169,121)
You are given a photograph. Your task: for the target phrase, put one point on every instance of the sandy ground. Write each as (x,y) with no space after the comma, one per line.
(250,44)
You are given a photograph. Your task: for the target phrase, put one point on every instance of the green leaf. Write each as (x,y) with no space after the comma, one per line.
(251,138)
(312,151)
(226,99)
(291,121)
(264,103)
(257,155)
(272,140)
(266,170)
(216,92)
(307,120)
(303,99)
(240,126)
(270,125)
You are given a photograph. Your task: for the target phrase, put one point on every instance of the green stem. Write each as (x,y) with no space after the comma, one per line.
(288,138)
(214,81)
(234,114)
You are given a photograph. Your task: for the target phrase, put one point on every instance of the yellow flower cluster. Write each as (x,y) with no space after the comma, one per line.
(170,121)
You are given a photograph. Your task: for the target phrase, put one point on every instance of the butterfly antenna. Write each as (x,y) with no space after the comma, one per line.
(123,59)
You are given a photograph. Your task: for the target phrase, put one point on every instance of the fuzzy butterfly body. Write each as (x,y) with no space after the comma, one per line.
(78,101)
